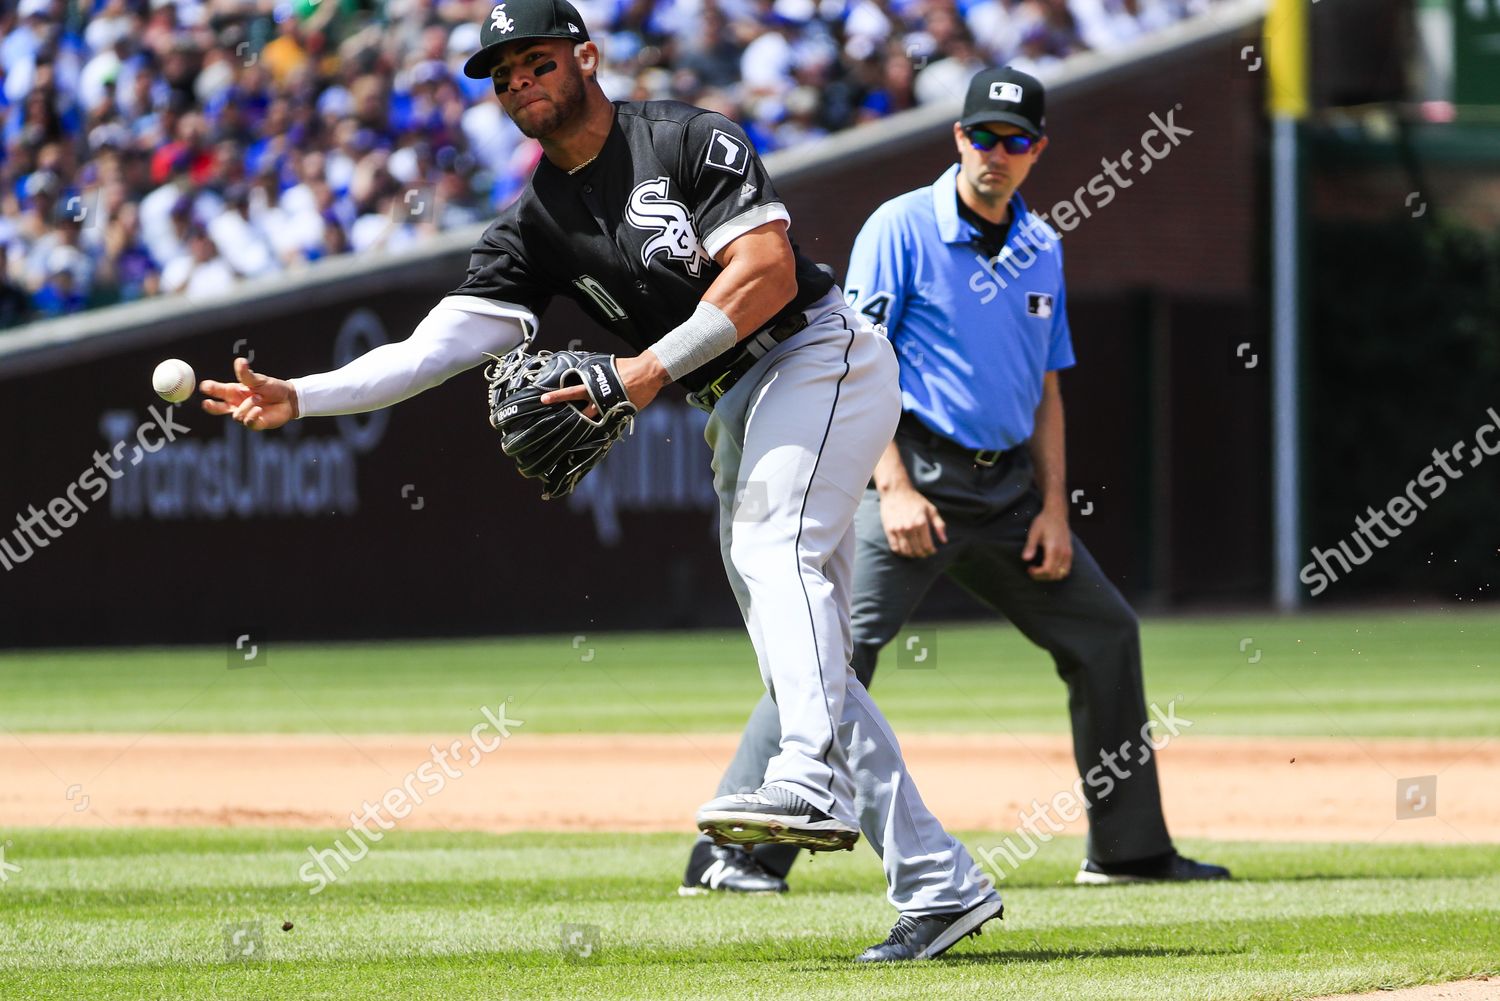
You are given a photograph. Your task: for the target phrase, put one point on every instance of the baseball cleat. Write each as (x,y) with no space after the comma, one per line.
(772,815)
(729,870)
(931,936)
(1168,868)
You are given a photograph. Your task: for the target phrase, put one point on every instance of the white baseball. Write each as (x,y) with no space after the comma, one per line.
(173,380)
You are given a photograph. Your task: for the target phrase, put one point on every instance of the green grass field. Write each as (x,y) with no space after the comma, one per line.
(151,914)
(1421,674)
(147,915)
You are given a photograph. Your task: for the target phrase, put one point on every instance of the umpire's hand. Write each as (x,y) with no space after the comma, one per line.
(257,401)
(1050,535)
(910,521)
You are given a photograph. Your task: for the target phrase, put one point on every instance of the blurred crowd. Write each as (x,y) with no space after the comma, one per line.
(179,146)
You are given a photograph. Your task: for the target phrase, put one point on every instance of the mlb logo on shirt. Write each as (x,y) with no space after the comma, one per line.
(1039,304)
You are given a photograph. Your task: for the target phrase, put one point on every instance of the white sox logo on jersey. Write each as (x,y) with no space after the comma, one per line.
(651,209)
(502,20)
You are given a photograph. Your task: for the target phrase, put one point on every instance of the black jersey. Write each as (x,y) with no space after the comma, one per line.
(631,237)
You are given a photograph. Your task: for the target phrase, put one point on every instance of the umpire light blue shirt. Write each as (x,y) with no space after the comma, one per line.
(974,334)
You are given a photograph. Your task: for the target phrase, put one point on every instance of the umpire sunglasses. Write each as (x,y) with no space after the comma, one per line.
(984,140)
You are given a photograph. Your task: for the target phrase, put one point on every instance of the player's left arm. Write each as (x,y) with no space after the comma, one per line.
(758,280)
(742,221)
(743,225)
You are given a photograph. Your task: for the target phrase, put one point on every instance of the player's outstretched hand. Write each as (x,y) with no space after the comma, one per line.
(257,401)
(910,521)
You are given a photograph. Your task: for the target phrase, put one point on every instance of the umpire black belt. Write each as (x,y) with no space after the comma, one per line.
(749,351)
(912,428)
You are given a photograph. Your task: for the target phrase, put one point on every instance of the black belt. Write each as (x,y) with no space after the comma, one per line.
(912,427)
(751,350)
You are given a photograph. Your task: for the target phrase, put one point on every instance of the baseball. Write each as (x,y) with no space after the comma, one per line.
(173,380)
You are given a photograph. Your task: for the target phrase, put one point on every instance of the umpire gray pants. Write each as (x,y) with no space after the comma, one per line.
(1082,621)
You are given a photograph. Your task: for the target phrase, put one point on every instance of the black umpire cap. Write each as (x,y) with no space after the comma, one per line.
(513,19)
(1006,95)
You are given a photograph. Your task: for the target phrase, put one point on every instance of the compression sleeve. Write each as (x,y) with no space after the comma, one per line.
(454,337)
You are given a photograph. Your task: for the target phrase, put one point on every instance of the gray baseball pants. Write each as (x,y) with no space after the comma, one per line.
(794,443)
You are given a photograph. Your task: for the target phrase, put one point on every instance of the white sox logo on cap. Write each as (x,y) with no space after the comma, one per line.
(1005,92)
(651,209)
(502,20)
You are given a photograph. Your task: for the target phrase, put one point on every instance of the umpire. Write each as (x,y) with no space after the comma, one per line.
(969,285)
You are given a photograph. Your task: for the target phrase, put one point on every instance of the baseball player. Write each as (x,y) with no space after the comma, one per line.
(660,221)
(969,284)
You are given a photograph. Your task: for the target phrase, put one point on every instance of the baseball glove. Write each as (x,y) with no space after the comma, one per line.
(556,443)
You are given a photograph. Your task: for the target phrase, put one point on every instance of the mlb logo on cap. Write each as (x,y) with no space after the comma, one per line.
(1005,92)
(1005,96)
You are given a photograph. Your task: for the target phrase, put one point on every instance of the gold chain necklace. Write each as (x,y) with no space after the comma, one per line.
(583,164)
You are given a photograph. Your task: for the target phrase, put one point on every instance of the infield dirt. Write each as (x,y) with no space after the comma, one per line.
(1291,789)
(1481,989)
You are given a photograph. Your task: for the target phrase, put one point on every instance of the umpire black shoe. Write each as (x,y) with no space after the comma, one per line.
(772,815)
(1168,868)
(728,869)
(931,936)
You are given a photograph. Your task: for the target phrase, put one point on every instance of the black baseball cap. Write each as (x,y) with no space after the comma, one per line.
(1006,95)
(510,20)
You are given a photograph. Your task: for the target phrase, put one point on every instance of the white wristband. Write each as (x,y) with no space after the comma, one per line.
(695,342)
